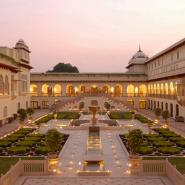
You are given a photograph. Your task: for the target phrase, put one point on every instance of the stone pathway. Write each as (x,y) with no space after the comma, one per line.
(7,128)
(93,181)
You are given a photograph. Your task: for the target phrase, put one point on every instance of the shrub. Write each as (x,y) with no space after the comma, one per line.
(134,140)
(25,143)
(165,115)
(18,150)
(120,115)
(11,138)
(17,135)
(157,112)
(45,119)
(30,111)
(178,138)
(150,135)
(22,114)
(142,119)
(107,105)
(68,115)
(42,150)
(145,150)
(181,144)
(169,150)
(169,134)
(53,140)
(4,143)
(32,139)
(162,143)
(153,139)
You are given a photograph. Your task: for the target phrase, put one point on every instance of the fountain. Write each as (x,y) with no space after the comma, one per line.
(94,110)
(93,163)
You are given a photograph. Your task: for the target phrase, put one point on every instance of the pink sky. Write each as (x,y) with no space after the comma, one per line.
(94,35)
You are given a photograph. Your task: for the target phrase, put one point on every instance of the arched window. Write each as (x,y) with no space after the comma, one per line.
(166,88)
(33,90)
(105,89)
(1,85)
(142,90)
(70,90)
(162,88)
(57,90)
(118,90)
(171,88)
(155,89)
(6,85)
(158,89)
(130,90)
(45,90)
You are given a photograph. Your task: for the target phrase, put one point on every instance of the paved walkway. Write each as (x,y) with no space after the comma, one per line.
(7,128)
(93,181)
(178,127)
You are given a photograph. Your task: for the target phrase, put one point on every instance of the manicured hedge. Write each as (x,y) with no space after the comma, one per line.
(142,118)
(162,143)
(32,139)
(169,150)
(18,150)
(120,115)
(26,143)
(68,115)
(11,138)
(42,150)
(4,143)
(145,150)
(181,144)
(153,139)
(150,135)
(178,138)
(45,119)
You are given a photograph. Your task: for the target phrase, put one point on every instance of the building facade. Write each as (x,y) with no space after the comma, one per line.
(149,83)
(14,80)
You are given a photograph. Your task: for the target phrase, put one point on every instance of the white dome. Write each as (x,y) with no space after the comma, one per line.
(138,57)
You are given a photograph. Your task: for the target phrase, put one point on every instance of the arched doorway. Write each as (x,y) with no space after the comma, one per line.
(118,90)
(94,90)
(70,90)
(33,90)
(130,90)
(57,90)
(105,89)
(142,90)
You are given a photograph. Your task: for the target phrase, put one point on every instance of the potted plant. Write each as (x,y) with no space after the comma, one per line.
(165,115)
(134,141)
(22,114)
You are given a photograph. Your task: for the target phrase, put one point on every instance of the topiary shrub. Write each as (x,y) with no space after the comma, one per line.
(154,139)
(178,138)
(181,144)
(162,143)
(11,138)
(169,150)
(18,150)
(4,143)
(42,150)
(26,143)
(145,150)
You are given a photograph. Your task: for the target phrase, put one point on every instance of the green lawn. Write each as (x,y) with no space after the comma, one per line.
(6,162)
(179,162)
(120,115)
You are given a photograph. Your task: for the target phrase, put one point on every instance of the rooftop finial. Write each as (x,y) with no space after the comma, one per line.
(139,47)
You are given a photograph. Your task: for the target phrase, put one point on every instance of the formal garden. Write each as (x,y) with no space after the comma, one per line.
(27,142)
(162,142)
(58,115)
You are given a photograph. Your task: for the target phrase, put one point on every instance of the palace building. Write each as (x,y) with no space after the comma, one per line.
(148,83)
(14,80)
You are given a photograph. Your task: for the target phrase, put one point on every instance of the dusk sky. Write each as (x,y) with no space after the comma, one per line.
(94,35)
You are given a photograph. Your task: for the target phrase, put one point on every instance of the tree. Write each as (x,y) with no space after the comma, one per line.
(64,68)
(134,140)
(107,105)
(157,112)
(81,105)
(30,111)
(22,115)
(53,140)
(165,115)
